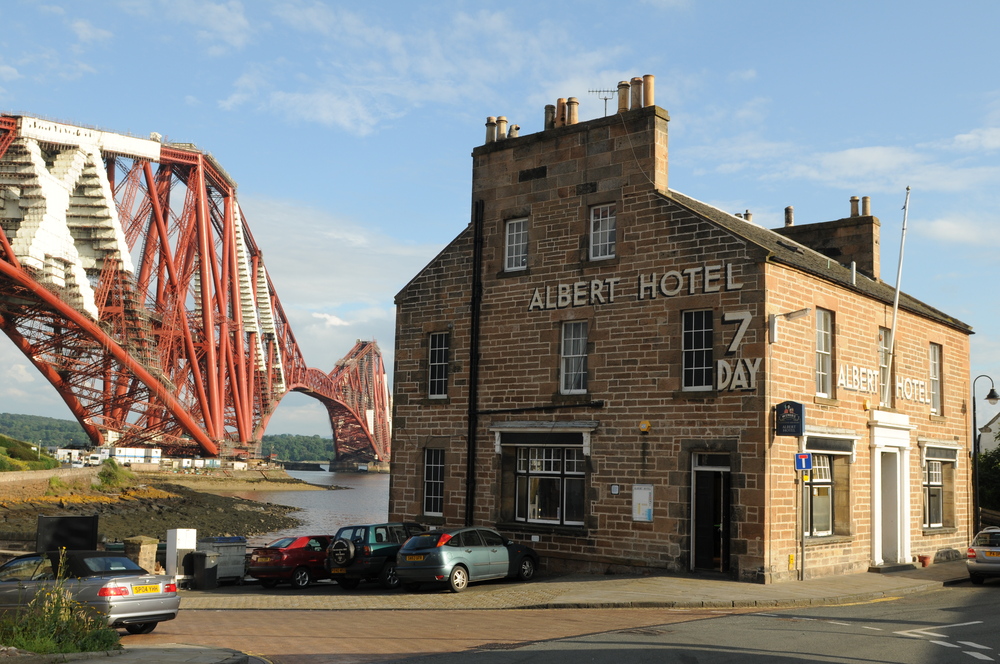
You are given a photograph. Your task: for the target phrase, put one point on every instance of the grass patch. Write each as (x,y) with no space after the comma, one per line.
(56,487)
(113,477)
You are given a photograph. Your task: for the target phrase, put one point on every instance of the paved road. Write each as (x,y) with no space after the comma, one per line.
(338,637)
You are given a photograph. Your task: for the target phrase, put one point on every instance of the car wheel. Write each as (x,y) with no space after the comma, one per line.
(526,569)
(140,628)
(976,579)
(341,552)
(300,577)
(348,584)
(411,587)
(388,577)
(458,580)
(268,583)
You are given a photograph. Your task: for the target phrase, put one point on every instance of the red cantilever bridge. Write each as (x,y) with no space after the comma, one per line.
(130,280)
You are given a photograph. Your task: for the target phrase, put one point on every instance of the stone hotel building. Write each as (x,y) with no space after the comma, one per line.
(627,378)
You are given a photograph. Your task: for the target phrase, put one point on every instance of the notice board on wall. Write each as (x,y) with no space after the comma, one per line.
(642,502)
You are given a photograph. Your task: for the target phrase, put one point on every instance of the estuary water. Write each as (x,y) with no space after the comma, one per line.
(364,499)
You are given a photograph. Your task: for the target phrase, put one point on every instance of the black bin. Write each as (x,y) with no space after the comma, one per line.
(206,569)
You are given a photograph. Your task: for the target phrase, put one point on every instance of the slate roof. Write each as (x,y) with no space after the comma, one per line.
(789,252)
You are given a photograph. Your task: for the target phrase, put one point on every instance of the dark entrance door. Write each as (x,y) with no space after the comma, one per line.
(711,518)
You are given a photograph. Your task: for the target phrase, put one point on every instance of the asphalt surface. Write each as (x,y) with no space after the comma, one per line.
(204,612)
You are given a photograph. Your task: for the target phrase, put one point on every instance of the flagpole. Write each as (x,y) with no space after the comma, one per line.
(895,303)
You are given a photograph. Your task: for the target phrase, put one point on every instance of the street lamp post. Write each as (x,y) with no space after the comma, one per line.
(993,398)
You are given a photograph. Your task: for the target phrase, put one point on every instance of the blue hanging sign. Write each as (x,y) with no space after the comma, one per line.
(789,419)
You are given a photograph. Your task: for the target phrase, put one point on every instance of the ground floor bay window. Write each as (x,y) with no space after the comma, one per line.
(544,477)
(938,487)
(828,487)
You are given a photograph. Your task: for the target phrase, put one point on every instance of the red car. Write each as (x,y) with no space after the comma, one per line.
(298,560)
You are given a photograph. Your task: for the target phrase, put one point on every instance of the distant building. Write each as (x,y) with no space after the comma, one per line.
(595,365)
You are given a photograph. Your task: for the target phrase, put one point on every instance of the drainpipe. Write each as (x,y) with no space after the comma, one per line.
(475,309)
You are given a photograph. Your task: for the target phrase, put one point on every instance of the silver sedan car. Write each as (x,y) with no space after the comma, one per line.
(109,583)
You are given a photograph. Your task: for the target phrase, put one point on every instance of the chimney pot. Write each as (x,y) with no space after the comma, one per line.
(866,206)
(572,111)
(854,206)
(789,216)
(636,93)
(622,96)
(647,90)
(491,129)
(561,112)
(748,216)
(550,116)
(501,127)
(514,130)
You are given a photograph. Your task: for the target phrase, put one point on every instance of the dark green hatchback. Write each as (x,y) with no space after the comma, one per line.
(368,552)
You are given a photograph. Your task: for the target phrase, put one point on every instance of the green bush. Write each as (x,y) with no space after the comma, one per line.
(113,477)
(8,464)
(53,622)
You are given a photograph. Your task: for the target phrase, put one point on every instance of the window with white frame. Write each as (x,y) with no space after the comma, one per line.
(935,378)
(828,486)
(933,495)
(550,485)
(602,231)
(696,351)
(820,497)
(516,245)
(824,353)
(433,482)
(573,379)
(437,365)
(884,368)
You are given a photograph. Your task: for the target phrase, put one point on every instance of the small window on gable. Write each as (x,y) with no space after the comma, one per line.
(602,231)
(516,245)
(437,366)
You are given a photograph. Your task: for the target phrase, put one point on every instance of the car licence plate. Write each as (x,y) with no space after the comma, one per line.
(145,590)
(415,558)
(992,554)
(338,570)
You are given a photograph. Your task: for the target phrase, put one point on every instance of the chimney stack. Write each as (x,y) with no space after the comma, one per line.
(789,216)
(636,93)
(866,206)
(501,128)
(854,206)
(491,129)
(647,90)
(561,112)
(622,96)
(550,116)
(572,111)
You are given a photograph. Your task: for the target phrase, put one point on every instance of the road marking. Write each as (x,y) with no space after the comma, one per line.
(945,644)
(877,629)
(834,622)
(979,655)
(918,633)
(970,644)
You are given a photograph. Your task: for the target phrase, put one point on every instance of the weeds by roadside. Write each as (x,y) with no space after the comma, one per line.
(53,622)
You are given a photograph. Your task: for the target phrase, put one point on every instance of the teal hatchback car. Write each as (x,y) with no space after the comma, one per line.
(463,556)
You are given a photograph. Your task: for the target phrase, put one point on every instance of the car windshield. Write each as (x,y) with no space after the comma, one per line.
(282,543)
(422,541)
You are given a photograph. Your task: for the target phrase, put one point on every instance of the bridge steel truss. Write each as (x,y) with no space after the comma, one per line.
(129,278)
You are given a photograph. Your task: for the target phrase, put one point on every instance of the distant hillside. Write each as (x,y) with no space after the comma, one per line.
(51,432)
(290,447)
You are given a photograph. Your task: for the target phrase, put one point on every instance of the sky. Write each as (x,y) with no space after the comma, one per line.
(349,128)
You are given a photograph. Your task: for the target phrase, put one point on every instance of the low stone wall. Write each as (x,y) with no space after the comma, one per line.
(27,484)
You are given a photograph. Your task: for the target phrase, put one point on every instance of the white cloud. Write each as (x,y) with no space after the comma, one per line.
(955,229)
(8,73)
(88,32)
(985,139)
(331,320)
(743,75)
(222,25)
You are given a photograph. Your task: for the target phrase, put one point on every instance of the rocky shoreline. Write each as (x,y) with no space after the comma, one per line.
(148,510)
